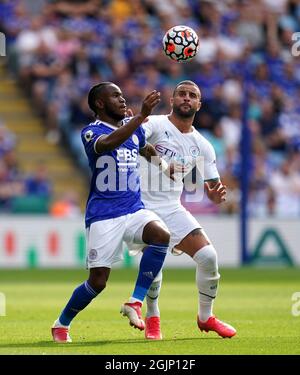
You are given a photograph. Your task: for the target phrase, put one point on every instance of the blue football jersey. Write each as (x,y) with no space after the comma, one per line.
(115,184)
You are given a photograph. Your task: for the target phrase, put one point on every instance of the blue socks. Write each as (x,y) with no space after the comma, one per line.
(150,265)
(80,298)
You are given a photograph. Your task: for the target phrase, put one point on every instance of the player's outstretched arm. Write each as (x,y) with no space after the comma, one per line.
(215,191)
(150,154)
(120,135)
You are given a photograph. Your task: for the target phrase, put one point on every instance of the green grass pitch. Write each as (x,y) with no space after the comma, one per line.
(258,302)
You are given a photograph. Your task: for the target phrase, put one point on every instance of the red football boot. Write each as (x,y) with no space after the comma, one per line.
(213,324)
(133,311)
(61,335)
(152,331)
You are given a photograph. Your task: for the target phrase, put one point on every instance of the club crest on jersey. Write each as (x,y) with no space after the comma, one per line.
(93,254)
(135,139)
(194,151)
(88,135)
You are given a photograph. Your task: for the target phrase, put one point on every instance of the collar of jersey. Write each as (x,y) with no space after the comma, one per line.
(189,133)
(98,122)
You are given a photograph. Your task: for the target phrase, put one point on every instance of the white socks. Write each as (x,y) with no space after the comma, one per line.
(134,300)
(57,324)
(152,296)
(207,277)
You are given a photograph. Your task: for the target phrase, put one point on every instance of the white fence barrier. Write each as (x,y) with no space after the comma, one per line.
(41,241)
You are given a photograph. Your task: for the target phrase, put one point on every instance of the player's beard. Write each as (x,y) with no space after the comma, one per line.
(113,114)
(186,114)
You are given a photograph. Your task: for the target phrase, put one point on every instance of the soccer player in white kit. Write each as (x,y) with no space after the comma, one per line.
(176,140)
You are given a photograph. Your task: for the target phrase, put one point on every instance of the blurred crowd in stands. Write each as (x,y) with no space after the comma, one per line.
(58,49)
(23,193)
(12,182)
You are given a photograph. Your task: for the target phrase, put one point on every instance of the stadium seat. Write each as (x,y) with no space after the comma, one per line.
(30,204)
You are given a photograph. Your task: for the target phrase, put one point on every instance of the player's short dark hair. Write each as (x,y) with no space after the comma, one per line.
(186,82)
(94,94)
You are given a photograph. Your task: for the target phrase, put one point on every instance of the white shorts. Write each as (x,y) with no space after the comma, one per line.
(105,238)
(180,223)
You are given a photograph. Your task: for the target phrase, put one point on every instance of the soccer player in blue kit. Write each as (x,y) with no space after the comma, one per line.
(114,211)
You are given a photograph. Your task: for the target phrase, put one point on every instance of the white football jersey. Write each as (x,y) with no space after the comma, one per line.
(189,149)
